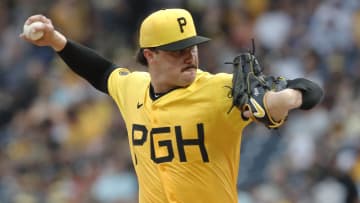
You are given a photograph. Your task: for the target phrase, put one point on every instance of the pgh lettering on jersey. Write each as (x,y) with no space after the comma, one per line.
(167,143)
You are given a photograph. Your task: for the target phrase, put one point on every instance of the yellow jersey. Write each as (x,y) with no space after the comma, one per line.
(185,145)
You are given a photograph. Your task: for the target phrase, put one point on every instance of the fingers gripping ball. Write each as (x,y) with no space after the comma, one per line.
(31,31)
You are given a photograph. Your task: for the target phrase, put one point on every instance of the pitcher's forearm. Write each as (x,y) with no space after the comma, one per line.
(58,41)
(87,64)
(280,103)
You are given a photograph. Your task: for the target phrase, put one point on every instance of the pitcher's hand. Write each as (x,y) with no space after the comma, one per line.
(51,37)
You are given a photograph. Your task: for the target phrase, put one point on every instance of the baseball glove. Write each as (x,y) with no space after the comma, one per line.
(249,86)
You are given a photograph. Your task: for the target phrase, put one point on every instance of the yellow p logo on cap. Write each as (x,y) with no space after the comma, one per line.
(169,29)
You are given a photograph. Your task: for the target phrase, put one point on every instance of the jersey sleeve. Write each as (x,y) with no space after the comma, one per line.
(126,87)
(231,117)
(117,83)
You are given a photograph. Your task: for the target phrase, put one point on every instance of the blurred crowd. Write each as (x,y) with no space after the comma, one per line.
(61,141)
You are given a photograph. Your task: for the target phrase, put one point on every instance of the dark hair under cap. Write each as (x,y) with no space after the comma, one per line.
(140,58)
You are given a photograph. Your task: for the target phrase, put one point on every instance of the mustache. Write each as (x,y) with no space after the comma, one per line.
(189,67)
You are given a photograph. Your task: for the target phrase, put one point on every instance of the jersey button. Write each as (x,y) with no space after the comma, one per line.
(162,168)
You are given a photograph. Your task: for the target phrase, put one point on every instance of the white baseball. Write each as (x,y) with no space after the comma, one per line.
(31,33)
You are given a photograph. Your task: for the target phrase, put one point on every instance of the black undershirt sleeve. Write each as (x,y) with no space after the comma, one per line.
(87,64)
(312,93)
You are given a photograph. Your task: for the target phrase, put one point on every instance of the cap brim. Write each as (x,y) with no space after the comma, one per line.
(183,44)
